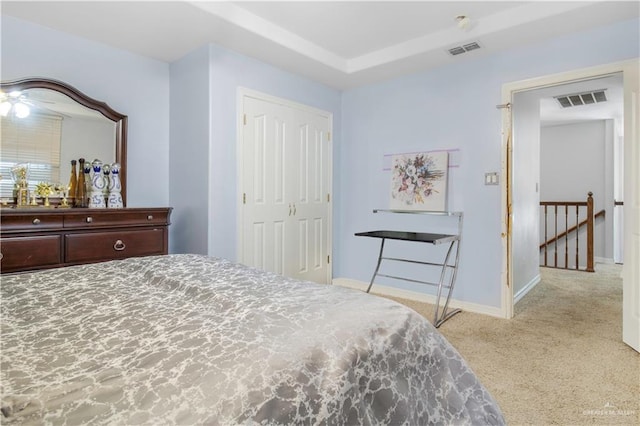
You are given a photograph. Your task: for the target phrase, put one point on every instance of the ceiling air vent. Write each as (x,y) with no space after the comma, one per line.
(585,98)
(464,48)
(471,46)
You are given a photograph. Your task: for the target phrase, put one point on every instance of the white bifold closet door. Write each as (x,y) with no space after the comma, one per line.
(286,179)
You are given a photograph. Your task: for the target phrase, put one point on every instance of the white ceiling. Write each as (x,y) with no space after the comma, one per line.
(552,113)
(342,44)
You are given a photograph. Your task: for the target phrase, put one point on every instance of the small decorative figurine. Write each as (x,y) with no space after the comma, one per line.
(63,190)
(20,175)
(45,190)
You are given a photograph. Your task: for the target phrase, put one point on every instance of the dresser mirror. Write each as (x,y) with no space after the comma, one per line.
(47,123)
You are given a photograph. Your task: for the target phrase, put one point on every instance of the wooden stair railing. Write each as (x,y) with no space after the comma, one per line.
(598,215)
(589,222)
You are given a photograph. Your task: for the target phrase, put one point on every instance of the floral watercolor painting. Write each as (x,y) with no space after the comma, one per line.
(419,181)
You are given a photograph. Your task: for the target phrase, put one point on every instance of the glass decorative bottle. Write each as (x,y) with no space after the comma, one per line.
(73,182)
(115,188)
(96,196)
(106,171)
(81,187)
(87,181)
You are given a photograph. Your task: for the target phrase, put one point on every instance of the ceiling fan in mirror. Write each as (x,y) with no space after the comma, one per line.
(19,104)
(14,103)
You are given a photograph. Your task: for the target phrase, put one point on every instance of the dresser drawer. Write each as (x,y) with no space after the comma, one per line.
(30,222)
(98,219)
(97,246)
(24,253)
(42,238)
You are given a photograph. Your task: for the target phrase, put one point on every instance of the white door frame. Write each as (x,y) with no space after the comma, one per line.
(243,92)
(508,90)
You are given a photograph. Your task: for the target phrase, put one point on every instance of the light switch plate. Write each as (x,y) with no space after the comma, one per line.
(491,178)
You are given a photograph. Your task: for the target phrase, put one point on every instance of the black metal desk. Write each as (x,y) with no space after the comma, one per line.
(446,281)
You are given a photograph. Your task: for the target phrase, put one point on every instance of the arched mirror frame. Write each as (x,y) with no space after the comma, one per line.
(120,120)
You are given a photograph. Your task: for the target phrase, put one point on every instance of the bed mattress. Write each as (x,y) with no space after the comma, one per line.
(190,339)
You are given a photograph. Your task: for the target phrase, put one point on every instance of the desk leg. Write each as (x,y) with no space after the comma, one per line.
(377,266)
(441,318)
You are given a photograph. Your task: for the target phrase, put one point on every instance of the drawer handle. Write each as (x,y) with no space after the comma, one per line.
(36,221)
(119,246)
(150,217)
(89,219)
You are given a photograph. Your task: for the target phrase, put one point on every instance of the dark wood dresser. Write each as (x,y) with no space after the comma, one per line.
(32,239)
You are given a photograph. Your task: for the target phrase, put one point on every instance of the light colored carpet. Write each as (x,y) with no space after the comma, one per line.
(561,359)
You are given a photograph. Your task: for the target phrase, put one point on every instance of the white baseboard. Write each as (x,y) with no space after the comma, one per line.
(526,289)
(418,297)
(603,260)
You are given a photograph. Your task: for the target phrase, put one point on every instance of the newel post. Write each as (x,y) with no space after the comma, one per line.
(590,232)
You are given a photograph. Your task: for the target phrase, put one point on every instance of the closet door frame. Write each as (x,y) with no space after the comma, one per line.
(243,93)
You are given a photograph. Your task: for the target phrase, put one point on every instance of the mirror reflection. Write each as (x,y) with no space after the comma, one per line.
(47,129)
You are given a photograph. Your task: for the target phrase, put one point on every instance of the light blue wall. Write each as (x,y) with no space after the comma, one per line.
(128,83)
(227,71)
(191,102)
(189,153)
(449,107)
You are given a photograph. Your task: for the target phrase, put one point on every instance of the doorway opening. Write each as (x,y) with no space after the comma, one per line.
(519,252)
(564,152)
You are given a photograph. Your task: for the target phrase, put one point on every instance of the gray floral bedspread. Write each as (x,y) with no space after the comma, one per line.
(188,339)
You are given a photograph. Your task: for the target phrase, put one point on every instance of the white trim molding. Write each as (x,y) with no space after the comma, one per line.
(418,297)
(527,288)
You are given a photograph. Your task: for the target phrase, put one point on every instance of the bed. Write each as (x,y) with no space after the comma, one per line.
(190,339)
